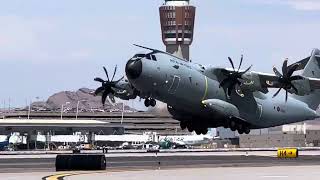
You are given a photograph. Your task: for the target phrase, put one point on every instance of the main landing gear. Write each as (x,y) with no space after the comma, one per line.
(238,126)
(199,129)
(150,102)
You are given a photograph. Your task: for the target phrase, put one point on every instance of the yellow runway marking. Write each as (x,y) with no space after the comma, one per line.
(63,175)
(59,176)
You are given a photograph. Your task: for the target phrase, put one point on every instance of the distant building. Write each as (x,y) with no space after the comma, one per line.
(177,19)
(272,140)
(290,135)
(224,133)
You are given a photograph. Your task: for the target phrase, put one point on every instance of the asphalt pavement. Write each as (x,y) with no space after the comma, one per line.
(22,165)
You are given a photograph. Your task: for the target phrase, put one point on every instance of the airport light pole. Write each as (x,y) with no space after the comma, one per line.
(62,106)
(78,108)
(9,105)
(3,110)
(29,109)
(122,112)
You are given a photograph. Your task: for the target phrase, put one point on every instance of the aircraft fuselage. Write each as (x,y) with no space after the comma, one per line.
(185,85)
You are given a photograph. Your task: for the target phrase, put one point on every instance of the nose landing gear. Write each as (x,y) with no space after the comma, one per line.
(150,102)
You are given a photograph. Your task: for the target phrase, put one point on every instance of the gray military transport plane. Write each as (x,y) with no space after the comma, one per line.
(207,97)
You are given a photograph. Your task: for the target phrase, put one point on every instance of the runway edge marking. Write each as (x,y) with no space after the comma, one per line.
(59,176)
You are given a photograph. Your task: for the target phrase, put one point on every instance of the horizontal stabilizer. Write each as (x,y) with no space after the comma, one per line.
(302,64)
(311,72)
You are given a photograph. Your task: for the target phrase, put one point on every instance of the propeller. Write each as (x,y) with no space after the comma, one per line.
(233,78)
(285,79)
(107,87)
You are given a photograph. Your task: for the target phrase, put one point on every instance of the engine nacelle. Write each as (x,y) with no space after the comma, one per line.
(221,107)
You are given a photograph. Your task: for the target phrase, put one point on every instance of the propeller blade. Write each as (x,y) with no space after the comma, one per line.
(275,70)
(231,62)
(248,69)
(285,68)
(104,97)
(276,93)
(292,69)
(293,78)
(285,79)
(119,80)
(294,88)
(223,82)
(99,90)
(233,78)
(114,72)
(99,80)
(105,70)
(240,63)
(111,99)
(112,90)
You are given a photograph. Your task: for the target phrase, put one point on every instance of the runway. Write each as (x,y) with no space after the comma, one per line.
(228,173)
(153,161)
(38,167)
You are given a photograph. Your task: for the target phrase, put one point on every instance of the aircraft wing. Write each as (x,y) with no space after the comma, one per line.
(250,81)
(258,81)
(262,81)
(314,83)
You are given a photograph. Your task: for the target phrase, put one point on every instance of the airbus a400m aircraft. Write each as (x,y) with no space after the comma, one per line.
(201,97)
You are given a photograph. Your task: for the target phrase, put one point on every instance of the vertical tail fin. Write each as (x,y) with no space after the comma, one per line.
(311,68)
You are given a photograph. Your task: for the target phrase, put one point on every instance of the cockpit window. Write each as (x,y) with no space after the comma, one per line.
(148,56)
(139,55)
(202,67)
(154,57)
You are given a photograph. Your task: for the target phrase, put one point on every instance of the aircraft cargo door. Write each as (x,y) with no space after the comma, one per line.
(174,85)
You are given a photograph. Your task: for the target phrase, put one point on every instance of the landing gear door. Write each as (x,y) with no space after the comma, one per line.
(175,84)
(259,111)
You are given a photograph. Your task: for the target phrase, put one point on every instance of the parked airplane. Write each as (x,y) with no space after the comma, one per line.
(4,142)
(201,97)
(188,139)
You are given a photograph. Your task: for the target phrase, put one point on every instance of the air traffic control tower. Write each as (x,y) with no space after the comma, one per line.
(177,24)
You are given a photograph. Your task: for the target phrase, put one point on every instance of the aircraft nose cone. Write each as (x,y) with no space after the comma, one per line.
(134,69)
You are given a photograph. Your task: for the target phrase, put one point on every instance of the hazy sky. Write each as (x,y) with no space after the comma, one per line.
(50,46)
